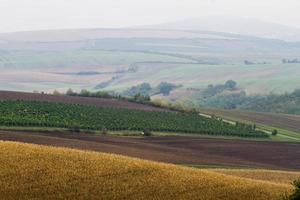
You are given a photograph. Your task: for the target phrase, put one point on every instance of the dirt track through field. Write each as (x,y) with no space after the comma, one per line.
(175,149)
(100,102)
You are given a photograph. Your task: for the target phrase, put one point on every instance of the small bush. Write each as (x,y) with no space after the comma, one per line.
(147,132)
(274,132)
(56,93)
(74,129)
(161,103)
(103,131)
(70,92)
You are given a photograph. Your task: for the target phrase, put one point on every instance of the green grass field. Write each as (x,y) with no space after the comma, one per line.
(66,59)
(49,70)
(258,78)
(276,78)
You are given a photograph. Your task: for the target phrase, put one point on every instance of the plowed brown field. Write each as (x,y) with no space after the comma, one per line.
(175,149)
(284,121)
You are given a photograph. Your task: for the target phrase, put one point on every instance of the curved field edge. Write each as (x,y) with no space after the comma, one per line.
(284,121)
(275,176)
(287,125)
(91,101)
(40,172)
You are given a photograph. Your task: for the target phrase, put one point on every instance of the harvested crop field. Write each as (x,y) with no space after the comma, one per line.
(39,172)
(101,102)
(175,149)
(288,122)
(266,175)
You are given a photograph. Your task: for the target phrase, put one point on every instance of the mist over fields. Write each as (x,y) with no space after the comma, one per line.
(260,57)
(157,99)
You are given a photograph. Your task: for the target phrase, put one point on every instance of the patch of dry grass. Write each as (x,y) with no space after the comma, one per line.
(286,177)
(40,172)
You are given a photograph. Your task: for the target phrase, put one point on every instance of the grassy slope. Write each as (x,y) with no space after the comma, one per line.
(276,78)
(69,59)
(254,78)
(31,171)
(69,49)
(37,68)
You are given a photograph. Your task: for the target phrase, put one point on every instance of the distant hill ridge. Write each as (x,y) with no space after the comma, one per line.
(236,25)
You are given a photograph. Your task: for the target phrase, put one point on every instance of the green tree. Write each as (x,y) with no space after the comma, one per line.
(274,132)
(165,88)
(56,93)
(85,93)
(141,98)
(146,132)
(70,92)
(297,93)
(143,89)
(230,84)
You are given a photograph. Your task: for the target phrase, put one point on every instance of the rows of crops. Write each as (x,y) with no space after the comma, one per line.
(44,114)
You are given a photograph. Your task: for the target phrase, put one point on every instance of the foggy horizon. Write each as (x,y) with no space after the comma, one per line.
(30,15)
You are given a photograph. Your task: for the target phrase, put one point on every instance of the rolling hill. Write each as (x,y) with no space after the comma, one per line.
(88,101)
(288,122)
(121,58)
(111,114)
(234,24)
(188,150)
(31,171)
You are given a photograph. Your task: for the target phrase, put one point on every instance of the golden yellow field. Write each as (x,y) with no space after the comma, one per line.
(286,177)
(40,172)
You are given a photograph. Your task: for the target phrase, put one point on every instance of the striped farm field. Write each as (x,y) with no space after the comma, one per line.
(40,172)
(182,150)
(46,114)
(98,102)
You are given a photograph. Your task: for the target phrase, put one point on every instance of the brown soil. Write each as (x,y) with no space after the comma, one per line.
(175,149)
(101,102)
(289,122)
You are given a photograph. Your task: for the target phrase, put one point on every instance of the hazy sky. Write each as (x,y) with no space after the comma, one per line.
(16,15)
